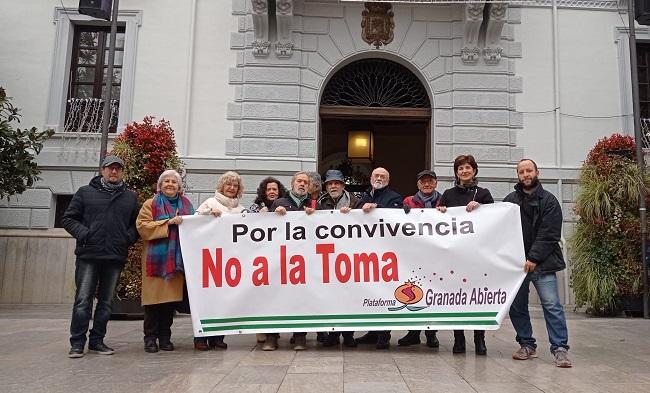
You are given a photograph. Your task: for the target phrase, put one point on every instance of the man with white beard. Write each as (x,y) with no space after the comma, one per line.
(377,197)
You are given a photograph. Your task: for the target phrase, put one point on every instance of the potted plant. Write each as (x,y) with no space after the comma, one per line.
(606,246)
(147,149)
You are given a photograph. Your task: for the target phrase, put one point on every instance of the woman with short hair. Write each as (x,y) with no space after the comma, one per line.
(466,193)
(162,262)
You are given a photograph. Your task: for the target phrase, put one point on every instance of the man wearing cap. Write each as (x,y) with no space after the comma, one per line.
(101,216)
(426,197)
(337,198)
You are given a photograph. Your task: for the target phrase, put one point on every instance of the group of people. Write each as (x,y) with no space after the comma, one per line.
(105,220)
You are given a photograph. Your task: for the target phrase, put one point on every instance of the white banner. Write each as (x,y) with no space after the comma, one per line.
(329,271)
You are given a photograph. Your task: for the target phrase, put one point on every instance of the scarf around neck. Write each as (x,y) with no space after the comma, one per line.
(297,199)
(111,187)
(230,203)
(429,201)
(164,257)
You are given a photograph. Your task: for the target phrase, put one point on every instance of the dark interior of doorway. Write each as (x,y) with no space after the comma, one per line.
(400,146)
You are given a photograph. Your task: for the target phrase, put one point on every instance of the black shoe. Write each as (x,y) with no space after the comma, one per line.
(479,346)
(459,342)
(383,342)
(331,340)
(166,345)
(411,338)
(349,341)
(368,338)
(432,340)
(321,337)
(101,348)
(150,345)
(217,342)
(76,351)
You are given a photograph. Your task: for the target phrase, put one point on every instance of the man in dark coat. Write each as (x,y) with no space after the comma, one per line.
(377,197)
(337,198)
(427,197)
(298,198)
(101,216)
(541,223)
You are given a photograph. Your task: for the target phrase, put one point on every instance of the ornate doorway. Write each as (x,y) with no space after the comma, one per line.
(389,107)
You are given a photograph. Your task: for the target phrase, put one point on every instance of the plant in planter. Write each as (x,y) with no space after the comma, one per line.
(606,245)
(147,149)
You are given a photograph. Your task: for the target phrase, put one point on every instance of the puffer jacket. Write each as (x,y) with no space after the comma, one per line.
(102,222)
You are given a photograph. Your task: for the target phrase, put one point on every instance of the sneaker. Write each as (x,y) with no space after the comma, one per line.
(76,351)
(300,343)
(562,358)
(411,338)
(101,348)
(270,343)
(525,353)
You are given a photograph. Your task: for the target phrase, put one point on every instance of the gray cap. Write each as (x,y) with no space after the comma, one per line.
(334,175)
(109,160)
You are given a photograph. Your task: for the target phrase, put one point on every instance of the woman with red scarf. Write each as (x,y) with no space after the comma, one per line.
(162,263)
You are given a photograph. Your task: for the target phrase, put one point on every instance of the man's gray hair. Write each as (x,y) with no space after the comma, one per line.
(295,175)
(315,179)
(168,173)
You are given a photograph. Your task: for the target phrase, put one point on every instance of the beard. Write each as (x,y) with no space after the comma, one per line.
(533,184)
(336,193)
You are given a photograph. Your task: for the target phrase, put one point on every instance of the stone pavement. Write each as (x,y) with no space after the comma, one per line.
(609,355)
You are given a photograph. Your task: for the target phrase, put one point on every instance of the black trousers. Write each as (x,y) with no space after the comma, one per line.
(158,319)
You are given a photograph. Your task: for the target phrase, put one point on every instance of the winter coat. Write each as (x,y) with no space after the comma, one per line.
(102,222)
(414,201)
(383,197)
(461,196)
(288,203)
(156,290)
(546,225)
(221,202)
(326,202)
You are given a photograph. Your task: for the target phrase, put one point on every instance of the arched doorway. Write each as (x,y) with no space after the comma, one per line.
(382,107)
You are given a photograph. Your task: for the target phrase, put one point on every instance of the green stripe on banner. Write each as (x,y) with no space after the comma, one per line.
(353,316)
(343,324)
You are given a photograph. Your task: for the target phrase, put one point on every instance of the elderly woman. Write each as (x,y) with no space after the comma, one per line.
(162,263)
(466,193)
(224,201)
(268,191)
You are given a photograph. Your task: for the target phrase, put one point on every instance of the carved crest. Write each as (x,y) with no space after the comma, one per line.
(377,24)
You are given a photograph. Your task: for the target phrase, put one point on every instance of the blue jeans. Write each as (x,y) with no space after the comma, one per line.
(92,277)
(546,286)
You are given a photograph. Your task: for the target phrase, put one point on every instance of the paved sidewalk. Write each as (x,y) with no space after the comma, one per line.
(609,355)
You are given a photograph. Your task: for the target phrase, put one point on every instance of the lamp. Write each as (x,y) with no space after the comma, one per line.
(360,145)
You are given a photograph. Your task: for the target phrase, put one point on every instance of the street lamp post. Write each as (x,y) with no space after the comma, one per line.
(639,152)
(106,118)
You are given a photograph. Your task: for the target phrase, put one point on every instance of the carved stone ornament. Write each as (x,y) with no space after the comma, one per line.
(470,55)
(284,50)
(492,55)
(377,24)
(261,48)
(260,16)
(284,22)
(470,52)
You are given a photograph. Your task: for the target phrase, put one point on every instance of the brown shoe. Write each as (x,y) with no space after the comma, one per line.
(201,346)
(261,337)
(525,353)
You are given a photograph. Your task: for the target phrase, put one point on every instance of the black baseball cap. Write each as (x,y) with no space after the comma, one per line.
(427,172)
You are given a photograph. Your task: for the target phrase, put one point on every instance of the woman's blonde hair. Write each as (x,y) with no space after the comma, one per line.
(167,173)
(229,177)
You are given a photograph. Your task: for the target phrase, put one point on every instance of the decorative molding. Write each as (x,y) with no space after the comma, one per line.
(496,20)
(377,24)
(470,51)
(260,13)
(584,4)
(284,23)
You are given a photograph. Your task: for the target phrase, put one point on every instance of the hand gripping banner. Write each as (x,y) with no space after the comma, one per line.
(329,271)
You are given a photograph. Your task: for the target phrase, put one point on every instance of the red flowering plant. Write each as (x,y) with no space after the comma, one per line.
(606,244)
(147,149)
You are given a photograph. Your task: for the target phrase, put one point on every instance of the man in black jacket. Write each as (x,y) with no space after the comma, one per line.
(101,216)
(379,196)
(541,223)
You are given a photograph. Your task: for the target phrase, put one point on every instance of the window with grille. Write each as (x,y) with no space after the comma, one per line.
(88,80)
